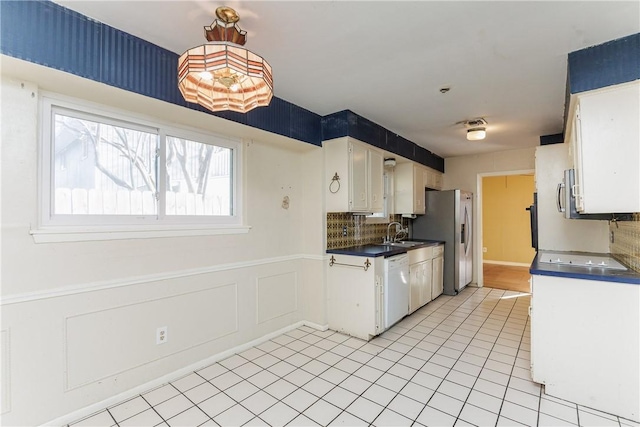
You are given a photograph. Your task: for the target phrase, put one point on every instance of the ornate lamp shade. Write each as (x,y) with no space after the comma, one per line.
(222,75)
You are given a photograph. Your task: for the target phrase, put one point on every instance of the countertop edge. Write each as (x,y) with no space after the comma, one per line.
(361,250)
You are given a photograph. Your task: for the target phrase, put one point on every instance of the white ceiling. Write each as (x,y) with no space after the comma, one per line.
(505,61)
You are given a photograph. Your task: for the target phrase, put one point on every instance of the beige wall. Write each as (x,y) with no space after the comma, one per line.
(79,318)
(505,222)
(465,172)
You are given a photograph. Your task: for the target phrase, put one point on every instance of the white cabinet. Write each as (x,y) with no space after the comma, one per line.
(432,179)
(604,133)
(585,342)
(420,284)
(358,177)
(437,277)
(355,304)
(426,280)
(354,176)
(409,189)
(376,169)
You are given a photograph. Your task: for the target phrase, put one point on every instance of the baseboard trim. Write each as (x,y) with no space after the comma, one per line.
(143,388)
(514,264)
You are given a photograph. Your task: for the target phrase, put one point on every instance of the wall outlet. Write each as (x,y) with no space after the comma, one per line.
(484,249)
(161,335)
(344,230)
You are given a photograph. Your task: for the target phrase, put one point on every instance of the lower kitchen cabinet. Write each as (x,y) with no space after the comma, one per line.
(425,275)
(437,277)
(420,283)
(585,342)
(355,304)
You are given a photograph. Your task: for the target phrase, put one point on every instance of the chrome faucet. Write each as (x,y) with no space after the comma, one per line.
(389,230)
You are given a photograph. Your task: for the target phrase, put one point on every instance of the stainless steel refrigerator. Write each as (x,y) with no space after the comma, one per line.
(448,218)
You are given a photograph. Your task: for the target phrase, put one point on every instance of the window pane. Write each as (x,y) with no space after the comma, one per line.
(102,169)
(198,178)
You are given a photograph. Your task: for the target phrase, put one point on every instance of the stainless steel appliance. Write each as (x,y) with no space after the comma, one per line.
(588,260)
(566,200)
(448,217)
(396,289)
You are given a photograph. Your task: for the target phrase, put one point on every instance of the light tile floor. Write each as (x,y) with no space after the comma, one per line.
(460,360)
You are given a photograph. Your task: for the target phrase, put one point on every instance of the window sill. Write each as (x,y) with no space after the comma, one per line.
(87,234)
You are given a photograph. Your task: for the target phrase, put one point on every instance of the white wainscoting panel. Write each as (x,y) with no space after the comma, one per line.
(95,341)
(5,371)
(276,296)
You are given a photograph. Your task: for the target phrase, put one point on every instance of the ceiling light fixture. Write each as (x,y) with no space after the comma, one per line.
(222,75)
(476,134)
(476,129)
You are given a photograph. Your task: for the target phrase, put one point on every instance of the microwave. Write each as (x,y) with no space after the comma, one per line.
(566,201)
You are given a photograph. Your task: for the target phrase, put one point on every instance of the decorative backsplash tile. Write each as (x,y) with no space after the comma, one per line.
(626,242)
(358,231)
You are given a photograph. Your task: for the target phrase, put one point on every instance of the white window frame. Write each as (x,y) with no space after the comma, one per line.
(53,228)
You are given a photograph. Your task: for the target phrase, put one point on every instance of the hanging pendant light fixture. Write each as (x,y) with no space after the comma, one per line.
(222,75)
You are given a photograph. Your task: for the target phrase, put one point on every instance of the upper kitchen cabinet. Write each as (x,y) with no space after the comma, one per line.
(432,179)
(604,136)
(409,189)
(354,174)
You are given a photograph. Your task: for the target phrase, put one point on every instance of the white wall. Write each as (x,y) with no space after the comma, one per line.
(555,231)
(79,319)
(462,172)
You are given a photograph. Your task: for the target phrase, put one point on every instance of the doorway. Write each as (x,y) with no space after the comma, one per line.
(505,239)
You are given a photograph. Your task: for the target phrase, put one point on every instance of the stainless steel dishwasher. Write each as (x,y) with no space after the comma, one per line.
(396,289)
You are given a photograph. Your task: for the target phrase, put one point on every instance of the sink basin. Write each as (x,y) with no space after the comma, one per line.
(402,244)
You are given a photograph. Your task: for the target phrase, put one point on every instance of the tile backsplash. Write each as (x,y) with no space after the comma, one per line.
(359,232)
(626,242)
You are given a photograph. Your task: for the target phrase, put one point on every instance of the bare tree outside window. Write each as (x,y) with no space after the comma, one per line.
(104,169)
(198,178)
(109,169)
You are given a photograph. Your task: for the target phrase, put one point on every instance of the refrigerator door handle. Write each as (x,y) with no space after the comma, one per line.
(467,231)
(558,198)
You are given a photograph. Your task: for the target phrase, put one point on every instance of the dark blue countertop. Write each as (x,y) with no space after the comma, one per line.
(587,273)
(381,250)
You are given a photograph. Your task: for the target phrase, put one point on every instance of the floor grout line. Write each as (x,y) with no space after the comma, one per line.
(477,321)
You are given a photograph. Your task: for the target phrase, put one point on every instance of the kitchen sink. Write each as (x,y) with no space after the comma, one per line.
(403,244)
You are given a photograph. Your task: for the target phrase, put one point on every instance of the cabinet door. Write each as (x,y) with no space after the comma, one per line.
(437,178)
(427,269)
(418,191)
(354,303)
(576,143)
(427,178)
(608,177)
(437,280)
(359,181)
(415,285)
(376,169)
